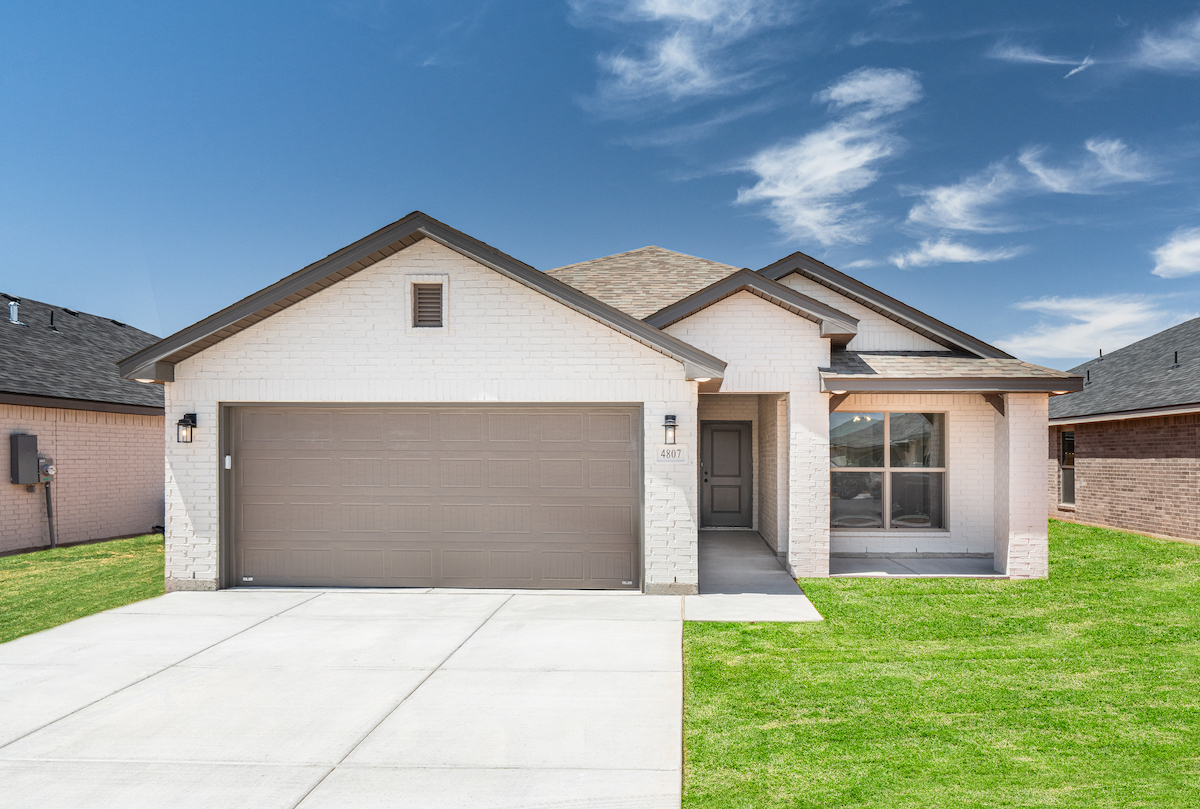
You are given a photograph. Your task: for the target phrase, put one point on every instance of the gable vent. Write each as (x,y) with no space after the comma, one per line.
(427,305)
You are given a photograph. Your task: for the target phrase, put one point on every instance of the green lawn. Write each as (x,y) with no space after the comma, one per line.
(1082,690)
(46,588)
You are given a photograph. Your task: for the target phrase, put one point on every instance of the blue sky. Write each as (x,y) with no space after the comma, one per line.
(1027,171)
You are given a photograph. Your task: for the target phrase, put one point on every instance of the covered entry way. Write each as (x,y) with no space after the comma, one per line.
(532,496)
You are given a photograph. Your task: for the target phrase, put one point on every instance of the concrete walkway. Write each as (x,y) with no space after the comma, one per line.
(913,568)
(741,580)
(266,699)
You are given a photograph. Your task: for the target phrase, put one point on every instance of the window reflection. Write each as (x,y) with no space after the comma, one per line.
(856,439)
(917,500)
(856,499)
(918,439)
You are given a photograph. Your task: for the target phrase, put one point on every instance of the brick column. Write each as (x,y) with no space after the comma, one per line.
(1021,545)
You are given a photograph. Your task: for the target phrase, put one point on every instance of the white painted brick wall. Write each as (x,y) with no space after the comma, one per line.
(770,350)
(735,407)
(504,342)
(1021,541)
(875,332)
(970,470)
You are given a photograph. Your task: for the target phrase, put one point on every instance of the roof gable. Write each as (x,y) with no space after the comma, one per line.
(889,307)
(157,361)
(839,327)
(643,281)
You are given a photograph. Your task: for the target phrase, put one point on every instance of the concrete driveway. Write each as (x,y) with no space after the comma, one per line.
(348,698)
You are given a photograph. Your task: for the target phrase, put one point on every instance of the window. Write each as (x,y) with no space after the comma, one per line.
(427,306)
(1067,464)
(898,459)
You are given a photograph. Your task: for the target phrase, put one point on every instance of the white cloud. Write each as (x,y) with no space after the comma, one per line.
(1175,51)
(963,206)
(805,181)
(944,251)
(685,52)
(1083,326)
(1011,52)
(1108,162)
(1180,256)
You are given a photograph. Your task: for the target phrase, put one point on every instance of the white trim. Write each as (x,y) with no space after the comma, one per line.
(1130,414)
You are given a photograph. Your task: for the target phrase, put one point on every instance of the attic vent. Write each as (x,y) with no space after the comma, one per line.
(117,323)
(427,306)
(70,312)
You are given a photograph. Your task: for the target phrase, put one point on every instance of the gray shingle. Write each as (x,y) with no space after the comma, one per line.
(933,365)
(1139,376)
(78,361)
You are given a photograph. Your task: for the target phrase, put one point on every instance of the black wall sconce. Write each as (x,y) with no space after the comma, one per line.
(669,429)
(185,428)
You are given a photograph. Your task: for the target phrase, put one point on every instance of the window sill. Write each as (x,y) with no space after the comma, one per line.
(1066,506)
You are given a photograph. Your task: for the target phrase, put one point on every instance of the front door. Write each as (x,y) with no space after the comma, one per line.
(725,470)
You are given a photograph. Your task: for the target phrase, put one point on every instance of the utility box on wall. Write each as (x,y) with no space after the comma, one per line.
(24,458)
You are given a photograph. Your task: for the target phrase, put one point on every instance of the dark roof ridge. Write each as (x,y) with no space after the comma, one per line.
(886,305)
(157,361)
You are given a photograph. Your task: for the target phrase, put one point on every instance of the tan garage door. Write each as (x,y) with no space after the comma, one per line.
(537,496)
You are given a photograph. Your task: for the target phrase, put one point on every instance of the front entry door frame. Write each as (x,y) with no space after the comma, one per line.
(735,490)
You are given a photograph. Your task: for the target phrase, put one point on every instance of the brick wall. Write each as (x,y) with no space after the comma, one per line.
(970,469)
(1137,474)
(772,485)
(736,407)
(771,350)
(1021,548)
(503,342)
(109,481)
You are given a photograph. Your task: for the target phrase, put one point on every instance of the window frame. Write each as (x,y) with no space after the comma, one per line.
(888,470)
(1063,466)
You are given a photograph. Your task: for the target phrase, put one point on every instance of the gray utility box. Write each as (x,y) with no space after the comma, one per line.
(24,458)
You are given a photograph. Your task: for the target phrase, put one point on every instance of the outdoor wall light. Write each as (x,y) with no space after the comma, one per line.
(669,429)
(185,428)
(703,379)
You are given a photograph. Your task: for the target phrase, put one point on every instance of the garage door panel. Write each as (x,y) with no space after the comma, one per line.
(507,497)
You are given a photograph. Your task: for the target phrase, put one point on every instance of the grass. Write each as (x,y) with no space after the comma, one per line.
(1081,690)
(47,588)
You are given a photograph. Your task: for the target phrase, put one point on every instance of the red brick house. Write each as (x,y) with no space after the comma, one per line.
(1124,452)
(59,384)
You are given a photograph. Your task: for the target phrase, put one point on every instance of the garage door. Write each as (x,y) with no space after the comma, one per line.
(539,497)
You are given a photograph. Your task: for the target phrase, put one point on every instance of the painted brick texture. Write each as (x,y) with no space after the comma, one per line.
(770,350)
(1136,474)
(503,342)
(1022,545)
(109,481)
(735,407)
(970,467)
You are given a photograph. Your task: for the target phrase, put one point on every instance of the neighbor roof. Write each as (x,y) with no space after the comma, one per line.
(1140,376)
(881,371)
(643,281)
(885,305)
(157,362)
(73,364)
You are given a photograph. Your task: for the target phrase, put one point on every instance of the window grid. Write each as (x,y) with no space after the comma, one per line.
(887,469)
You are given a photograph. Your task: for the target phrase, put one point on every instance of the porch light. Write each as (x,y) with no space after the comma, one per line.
(838,392)
(704,379)
(669,429)
(185,428)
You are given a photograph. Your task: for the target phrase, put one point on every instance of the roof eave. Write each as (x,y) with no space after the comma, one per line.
(834,383)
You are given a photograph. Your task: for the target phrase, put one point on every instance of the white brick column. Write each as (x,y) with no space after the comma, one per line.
(808,475)
(1022,545)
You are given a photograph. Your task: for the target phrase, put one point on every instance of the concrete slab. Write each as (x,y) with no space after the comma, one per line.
(910,567)
(393,788)
(353,643)
(952,567)
(232,714)
(452,606)
(749,607)
(147,785)
(741,562)
(854,566)
(577,607)
(220,602)
(534,719)
(572,645)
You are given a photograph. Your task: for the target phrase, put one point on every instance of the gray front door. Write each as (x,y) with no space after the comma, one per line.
(537,496)
(725,470)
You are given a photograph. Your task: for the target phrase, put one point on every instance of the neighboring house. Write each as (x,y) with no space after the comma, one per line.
(421,409)
(1125,451)
(59,382)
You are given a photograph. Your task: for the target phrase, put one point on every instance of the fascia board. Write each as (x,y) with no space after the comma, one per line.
(1123,415)
(832,382)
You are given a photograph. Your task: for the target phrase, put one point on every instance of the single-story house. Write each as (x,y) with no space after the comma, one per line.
(63,399)
(1124,452)
(421,409)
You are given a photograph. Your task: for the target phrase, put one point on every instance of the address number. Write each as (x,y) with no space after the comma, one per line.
(673,453)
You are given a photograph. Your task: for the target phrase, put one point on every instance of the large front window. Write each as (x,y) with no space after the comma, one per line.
(888,470)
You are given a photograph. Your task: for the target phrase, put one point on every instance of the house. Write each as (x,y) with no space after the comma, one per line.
(421,409)
(61,392)
(1124,452)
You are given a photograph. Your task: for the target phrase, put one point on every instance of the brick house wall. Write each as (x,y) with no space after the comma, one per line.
(1137,474)
(503,342)
(109,481)
(736,407)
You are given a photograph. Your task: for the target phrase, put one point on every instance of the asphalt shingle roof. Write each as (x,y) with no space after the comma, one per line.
(932,365)
(1140,376)
(642,281)
(78,361)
